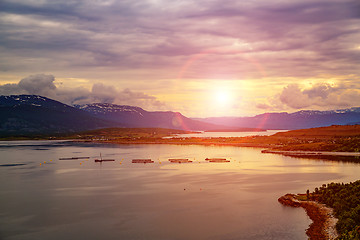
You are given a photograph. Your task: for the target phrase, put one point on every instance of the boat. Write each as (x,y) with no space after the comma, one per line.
(216,160)
(179,160)
(104,160)
(142,161)
(74,158)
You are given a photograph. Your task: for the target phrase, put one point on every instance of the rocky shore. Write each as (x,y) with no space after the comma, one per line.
(323,226)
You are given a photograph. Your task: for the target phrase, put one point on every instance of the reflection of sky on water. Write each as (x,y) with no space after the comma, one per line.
(119,200)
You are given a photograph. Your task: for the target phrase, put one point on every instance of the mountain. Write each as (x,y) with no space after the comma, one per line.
(31,115)
(138,117)
(298,120)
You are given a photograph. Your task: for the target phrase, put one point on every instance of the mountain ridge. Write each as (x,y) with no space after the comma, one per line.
(289,121)
(33,114)
(138,117)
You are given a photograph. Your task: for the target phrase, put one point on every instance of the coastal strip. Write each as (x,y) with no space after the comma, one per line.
(312,153)
(324,222)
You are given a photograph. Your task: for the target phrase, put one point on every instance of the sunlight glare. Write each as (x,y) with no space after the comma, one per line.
(222,98)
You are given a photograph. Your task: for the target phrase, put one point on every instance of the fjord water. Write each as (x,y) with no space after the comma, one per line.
(42,197)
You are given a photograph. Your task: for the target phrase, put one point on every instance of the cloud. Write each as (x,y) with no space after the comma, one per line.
(293,97)
(319,95)
(263,106)
(102,93)
(320,90)
(139,44)
(287,38)
(10,88)
(41,84)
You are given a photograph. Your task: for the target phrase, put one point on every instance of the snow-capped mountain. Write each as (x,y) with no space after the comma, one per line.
(32,114)
(138,117)
(297,120)
(106,108)
(339,111)
(32,100)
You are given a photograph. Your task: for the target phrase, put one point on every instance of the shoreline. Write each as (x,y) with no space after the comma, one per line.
(295,153)
(255,145)
(311,153)
(323,224)
(267,148)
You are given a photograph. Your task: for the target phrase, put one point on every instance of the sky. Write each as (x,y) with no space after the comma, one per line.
(203,58)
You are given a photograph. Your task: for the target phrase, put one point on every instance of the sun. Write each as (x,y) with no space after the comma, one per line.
(222,98)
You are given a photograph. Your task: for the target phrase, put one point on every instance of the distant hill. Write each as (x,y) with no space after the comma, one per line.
(138,117)
(32,115)
(298,120)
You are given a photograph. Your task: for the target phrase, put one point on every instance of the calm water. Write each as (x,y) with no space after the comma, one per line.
(227,134)
(200,200)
